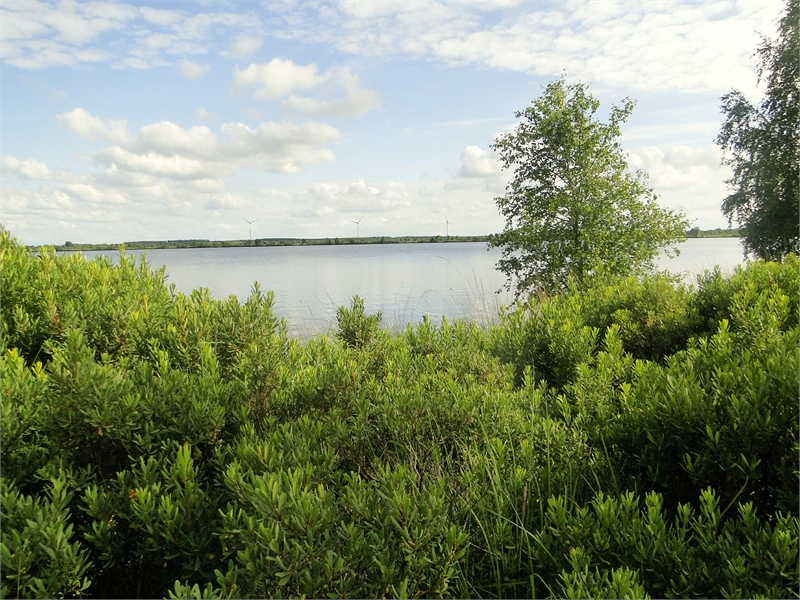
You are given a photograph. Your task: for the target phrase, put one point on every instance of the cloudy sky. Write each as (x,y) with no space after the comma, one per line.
(174,120)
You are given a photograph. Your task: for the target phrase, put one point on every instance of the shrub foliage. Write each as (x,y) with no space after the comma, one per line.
(635,438)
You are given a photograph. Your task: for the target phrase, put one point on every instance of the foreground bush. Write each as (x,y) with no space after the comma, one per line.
(639,438)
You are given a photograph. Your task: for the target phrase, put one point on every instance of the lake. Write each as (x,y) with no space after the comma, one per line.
(405,281)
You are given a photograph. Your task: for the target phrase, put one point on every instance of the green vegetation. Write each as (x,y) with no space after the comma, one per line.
(572,209)
(170,244)
(761,146)
(270,242)
(635,438)
(696,232)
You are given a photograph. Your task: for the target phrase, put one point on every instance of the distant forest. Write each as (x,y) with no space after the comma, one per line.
(695,232)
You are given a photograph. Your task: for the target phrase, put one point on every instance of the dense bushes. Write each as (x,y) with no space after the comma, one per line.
(634,438)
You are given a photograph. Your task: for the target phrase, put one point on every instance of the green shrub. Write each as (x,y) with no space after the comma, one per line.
(655,315)
(718,414)
(356,328)
(716,294)
(40,560)
(548,337)
(637,439)
(290,535)
(693,553)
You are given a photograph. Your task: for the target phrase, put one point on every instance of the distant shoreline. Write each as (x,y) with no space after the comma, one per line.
(327,241)
(272,242)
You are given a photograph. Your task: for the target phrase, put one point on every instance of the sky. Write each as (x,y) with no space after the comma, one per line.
(179,120)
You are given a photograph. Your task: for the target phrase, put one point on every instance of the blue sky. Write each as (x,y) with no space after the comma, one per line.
(172,120)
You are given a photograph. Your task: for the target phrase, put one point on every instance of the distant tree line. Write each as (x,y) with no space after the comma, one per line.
(695,232)
(329,241)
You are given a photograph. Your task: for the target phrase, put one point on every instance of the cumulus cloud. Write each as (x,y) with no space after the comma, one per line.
(161,171)
(476,162)
(19,201)
(480,170)
(193,71)
(91,127)
(686,178)
(90,193)
(277,78)
(26,169)
(112,196)
(356,101)
(283,77)
(167,150)
(679,166)
(63,189)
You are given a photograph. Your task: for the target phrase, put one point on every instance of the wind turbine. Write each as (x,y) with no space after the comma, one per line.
(251,227)
(358,226)
(448,226)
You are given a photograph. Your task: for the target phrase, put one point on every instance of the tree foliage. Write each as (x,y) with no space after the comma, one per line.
(573,209)
(762,146)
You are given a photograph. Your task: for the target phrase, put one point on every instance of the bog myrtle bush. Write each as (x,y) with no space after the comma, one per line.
(637,438)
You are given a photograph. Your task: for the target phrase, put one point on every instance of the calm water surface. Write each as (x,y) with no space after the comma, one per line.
(405,281)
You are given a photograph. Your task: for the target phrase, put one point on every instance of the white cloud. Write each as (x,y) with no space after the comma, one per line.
(277,78)
(354,197)
(648,46)
(169,139)
(476,162)
(19,201)
(480,170)
(40,34)
(245,46)
(679,166)
(690,179)
(159,165)
(370,10)
(160,172)
(116,177)
(282,147)
(282,77)
(89,127)
(193,71)
(226,201)
(357,100)
(27,169)
(167,150)
(205,186)
(117,205)
(89,193)
(673,129)
(160,17)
